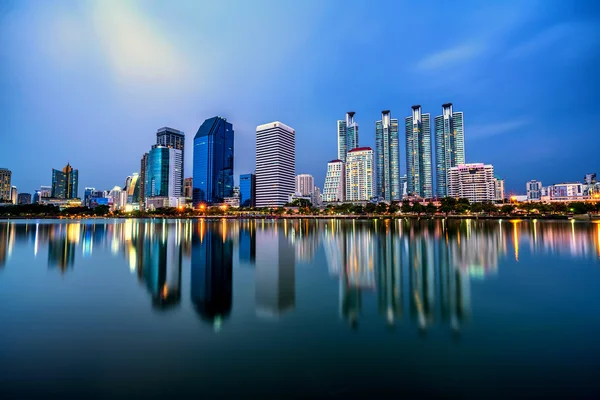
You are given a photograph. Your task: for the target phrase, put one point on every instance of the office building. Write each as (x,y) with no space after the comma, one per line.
(499,189)
(359,174)
(143,179)
(347,135)
(472,181)
(403,185)
(173,139)
(335,182)
(248,190)
(566,192)
(317,197)
(213,162)
(387,149)
(24,198)
(418,154)
(275,164)
(534,190)
(132,188)
(44,192)
(163,175)
(13,195)
(305,186)
(187,188)
(449,145)
(65,183)
(5,180)
(87,196)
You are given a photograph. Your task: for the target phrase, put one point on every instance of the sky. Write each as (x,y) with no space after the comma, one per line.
(90,82)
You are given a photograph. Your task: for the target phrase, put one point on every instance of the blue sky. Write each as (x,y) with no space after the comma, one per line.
(90,82)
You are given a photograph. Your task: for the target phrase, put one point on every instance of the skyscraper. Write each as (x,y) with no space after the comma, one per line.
(5,178)
(65,183)
(213,161)
(24,198)
(174,139)
(143,177)
(359,174)
(347,135)
(87,195)
(275,164)
(132,188)
(418,154)
(335,182)
(248,190)
(472,181)
(13,195)
(163,177)
(449,145)
(388,157)
(499,189)
(187,188)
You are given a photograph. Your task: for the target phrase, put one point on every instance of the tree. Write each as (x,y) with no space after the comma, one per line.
(406,207)
(418,208)
(101,210)
(430,208)
(381,208)
(579,207)
(448,205)
(393,208)
(507,208)
(477,207)
(370,208)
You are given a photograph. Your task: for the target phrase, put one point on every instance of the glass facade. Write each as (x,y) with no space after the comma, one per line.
(418,154)
(213,162)
(388,158)
(157,172)
(449,146)
(247,190)
(65,183)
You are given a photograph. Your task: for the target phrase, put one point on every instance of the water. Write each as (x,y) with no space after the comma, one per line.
(298,308)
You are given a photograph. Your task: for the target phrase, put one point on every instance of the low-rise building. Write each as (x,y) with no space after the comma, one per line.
(472,181)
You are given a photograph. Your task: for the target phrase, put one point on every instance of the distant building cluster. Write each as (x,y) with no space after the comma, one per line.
(588,189)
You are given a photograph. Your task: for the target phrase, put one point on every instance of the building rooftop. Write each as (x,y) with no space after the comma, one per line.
(360,149)
(335,161)
(275,124)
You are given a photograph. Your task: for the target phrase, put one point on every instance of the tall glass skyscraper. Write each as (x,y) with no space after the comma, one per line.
(163,178)
(213,162)
(418,154)
(449,145)
(65,183)
(5,178)
(387,147)
(347,135)
(248,190)
(174,139)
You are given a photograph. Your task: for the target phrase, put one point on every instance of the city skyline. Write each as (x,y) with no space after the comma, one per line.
(111,92)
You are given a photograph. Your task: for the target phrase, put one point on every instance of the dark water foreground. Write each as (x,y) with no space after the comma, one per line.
(299,308)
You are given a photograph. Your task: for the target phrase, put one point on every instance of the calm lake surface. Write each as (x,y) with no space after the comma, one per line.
(299,308)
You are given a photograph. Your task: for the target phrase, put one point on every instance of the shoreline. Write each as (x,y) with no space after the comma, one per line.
(579,217)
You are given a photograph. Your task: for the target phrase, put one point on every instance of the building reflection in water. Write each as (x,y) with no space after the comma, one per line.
(63,240)
(275,269)
(247,241)
(212,275)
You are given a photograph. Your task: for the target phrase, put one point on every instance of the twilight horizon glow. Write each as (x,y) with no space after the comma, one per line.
(89,83)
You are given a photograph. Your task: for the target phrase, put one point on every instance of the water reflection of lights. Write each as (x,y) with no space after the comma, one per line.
(515,222)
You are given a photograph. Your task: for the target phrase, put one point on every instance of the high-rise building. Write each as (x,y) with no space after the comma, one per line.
(317,197)
(403,185)
(275,164)
(87,196)
(335,182)
(472,181)
(163,177)
(5,180)
(305,185)
(534,190)
(187,188)
(24,198)
(388,157)
(213,161)
(65,183)
(132,188)
(248,190)
(44,192)
(143,179)
(347,135)
(499,189)
(359,174)
(418,154)
(174,139)
(14,195)
(449,145)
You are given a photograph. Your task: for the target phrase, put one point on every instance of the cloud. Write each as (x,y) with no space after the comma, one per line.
(489,130)
(573,37)
(449,57)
